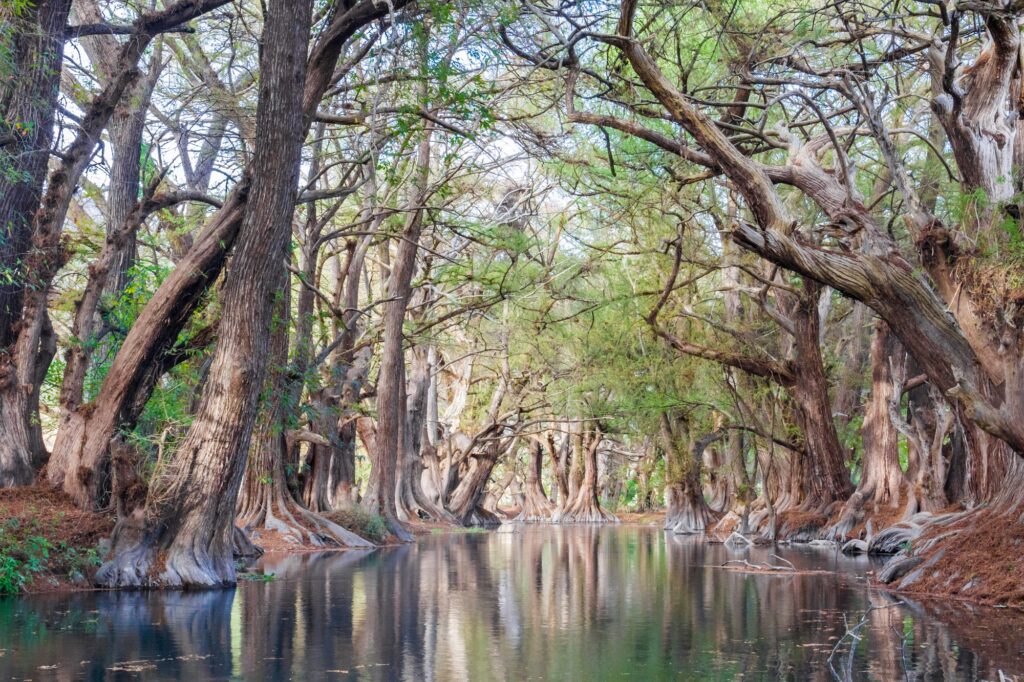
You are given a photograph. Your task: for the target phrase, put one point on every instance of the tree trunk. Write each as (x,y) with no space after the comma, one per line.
(29,113)
(82,444)
(391,405)
(537,508)
(586,507)
(411,500)
(265,502)
(465,503)
(882,481)
(827,478)
(30,109)
(185,535)
(687,512)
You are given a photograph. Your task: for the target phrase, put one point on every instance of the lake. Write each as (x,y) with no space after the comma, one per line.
(543,603)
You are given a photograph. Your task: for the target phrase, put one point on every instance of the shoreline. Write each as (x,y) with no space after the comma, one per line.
(74,541)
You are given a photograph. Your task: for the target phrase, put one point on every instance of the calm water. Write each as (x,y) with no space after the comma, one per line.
(542,604)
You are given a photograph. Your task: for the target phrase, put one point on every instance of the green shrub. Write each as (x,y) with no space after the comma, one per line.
(26,551)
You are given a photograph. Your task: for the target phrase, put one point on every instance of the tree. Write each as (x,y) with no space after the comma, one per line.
(188,520)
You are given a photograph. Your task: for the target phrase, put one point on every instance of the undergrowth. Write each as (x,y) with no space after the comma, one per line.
(27,552)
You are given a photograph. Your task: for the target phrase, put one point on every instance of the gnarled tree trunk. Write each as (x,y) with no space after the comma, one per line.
(536,507)
(687,511)
(882,481)
(585,507)
(184,535)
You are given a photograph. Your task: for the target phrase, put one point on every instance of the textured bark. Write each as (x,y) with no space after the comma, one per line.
(585,507)
(391,399)
(185,537)
(826,476)
(411,499)
(536,507)
(882,482)
(86,439)
(466,501)
(30,107)
(687,511)
(265,502)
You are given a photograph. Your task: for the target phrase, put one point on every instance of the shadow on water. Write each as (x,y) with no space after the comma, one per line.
(580,603)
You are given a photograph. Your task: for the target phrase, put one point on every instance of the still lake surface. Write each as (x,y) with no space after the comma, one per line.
(573,603)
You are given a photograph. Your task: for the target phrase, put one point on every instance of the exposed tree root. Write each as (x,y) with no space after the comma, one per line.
(481,518)
(974,555)
(688,514)
(242,546)
(300,526)
(585,514)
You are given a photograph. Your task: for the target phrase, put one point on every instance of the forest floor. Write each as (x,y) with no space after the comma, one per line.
(981,561)
(46,542)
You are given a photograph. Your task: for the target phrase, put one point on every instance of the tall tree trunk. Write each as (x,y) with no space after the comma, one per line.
(186,529)
(30,108)
(29,115)
(83,442)
(391,405)
(827,478)
(536,505)
(881,481)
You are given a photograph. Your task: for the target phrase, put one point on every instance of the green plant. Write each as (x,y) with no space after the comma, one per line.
(23,552)
(258,577)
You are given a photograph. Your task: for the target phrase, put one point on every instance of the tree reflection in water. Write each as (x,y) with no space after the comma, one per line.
(583,603)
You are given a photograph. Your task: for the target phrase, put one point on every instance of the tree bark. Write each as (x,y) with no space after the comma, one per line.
(687,511)
(83,443)
(536,507)
(827,476)
(265,501)
(185,536)
(585,507)
(391,401)
(30,108)
(29,116)
(882,481)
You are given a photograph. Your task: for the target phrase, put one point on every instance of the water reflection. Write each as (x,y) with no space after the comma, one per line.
(554,604)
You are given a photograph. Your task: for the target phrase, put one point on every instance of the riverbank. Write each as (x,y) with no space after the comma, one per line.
(47,543)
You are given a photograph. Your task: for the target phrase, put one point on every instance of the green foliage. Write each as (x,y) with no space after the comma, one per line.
(258,577)
(23,553)
(26,551)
